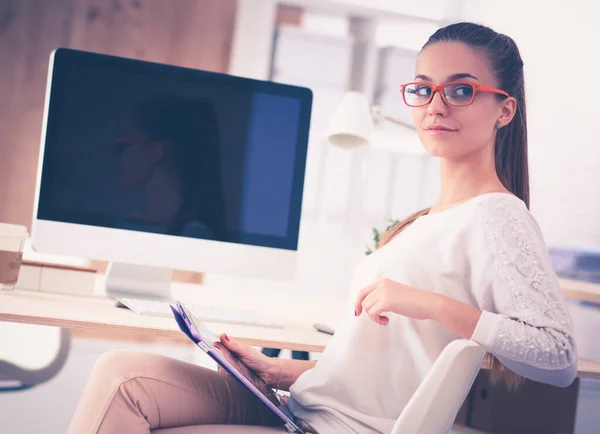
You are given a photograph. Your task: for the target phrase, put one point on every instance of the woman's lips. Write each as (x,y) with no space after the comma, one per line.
(440,131)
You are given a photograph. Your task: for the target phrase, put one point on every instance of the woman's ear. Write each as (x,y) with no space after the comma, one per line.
(507,111)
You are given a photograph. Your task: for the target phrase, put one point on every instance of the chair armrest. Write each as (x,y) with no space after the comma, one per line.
(433,407)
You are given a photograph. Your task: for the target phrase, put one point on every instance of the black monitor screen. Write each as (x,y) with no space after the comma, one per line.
(156,148)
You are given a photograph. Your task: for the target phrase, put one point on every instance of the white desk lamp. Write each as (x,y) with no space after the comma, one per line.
(353,124)
(352,127)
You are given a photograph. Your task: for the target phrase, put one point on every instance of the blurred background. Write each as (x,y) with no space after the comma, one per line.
(330,46)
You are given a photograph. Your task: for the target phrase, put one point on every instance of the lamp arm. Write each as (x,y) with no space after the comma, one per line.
(379,115)
(399,122)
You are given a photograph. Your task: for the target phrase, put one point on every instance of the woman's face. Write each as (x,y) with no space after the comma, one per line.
(471,128)
(137,156)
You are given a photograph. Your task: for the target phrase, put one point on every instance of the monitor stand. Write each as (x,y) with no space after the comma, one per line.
(138,281)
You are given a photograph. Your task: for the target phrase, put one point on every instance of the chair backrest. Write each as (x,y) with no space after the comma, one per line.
(433,407)
(31,354)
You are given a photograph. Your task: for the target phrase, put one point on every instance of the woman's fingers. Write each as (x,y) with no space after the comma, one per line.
(230,344)
(225,340)
(375,310)
(369,301)
(358,306)
(374,306)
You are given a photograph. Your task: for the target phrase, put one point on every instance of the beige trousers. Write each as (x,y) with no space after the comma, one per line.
(137,392)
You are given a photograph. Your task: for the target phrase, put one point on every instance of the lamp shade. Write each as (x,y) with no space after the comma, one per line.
(352,123)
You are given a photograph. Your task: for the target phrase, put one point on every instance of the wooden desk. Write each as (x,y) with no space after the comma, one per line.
(296,313)
(100,313)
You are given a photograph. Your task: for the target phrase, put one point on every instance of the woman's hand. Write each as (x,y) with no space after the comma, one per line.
(253,360)
(389,296)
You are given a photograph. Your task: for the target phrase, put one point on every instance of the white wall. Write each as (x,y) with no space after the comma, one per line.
(252,39)
(559,45)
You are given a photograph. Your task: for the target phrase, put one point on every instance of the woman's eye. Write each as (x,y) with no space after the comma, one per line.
(422,90)
(462,91)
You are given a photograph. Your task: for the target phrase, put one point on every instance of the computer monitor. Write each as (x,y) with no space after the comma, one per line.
(155,167)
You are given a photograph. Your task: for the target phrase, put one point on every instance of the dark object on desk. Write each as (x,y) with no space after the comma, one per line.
(296,355)
(299,355)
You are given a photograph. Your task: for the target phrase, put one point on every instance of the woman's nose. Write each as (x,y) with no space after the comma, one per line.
(437,106)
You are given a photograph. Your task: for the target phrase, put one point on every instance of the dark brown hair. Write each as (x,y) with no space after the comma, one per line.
(510,148)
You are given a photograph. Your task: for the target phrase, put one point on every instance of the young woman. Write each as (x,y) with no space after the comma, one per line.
(472,266)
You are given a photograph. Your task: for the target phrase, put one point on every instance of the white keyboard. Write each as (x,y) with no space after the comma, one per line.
(144,306)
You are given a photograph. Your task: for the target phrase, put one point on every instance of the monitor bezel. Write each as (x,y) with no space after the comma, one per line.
(136,247)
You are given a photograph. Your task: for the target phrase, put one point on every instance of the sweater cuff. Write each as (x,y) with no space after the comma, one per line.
(487,329)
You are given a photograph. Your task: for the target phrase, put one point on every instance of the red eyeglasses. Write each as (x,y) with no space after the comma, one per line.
(455,94)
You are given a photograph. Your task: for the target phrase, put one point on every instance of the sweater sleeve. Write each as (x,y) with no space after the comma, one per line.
(525,321)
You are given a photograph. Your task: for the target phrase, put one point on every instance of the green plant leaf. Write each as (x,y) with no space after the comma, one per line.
(377,235)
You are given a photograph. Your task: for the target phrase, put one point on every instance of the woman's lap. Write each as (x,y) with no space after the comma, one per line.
(139,392)
(220,429)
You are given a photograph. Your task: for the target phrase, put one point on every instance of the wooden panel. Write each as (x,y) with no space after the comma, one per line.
(191,33)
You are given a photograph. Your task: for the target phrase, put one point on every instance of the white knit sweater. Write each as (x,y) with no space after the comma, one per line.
(487,252)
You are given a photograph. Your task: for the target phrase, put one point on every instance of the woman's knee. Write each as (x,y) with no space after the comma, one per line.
(115,366)
(118,366)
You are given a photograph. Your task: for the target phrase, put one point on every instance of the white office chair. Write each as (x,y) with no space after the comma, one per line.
(433,407)
(31,354)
